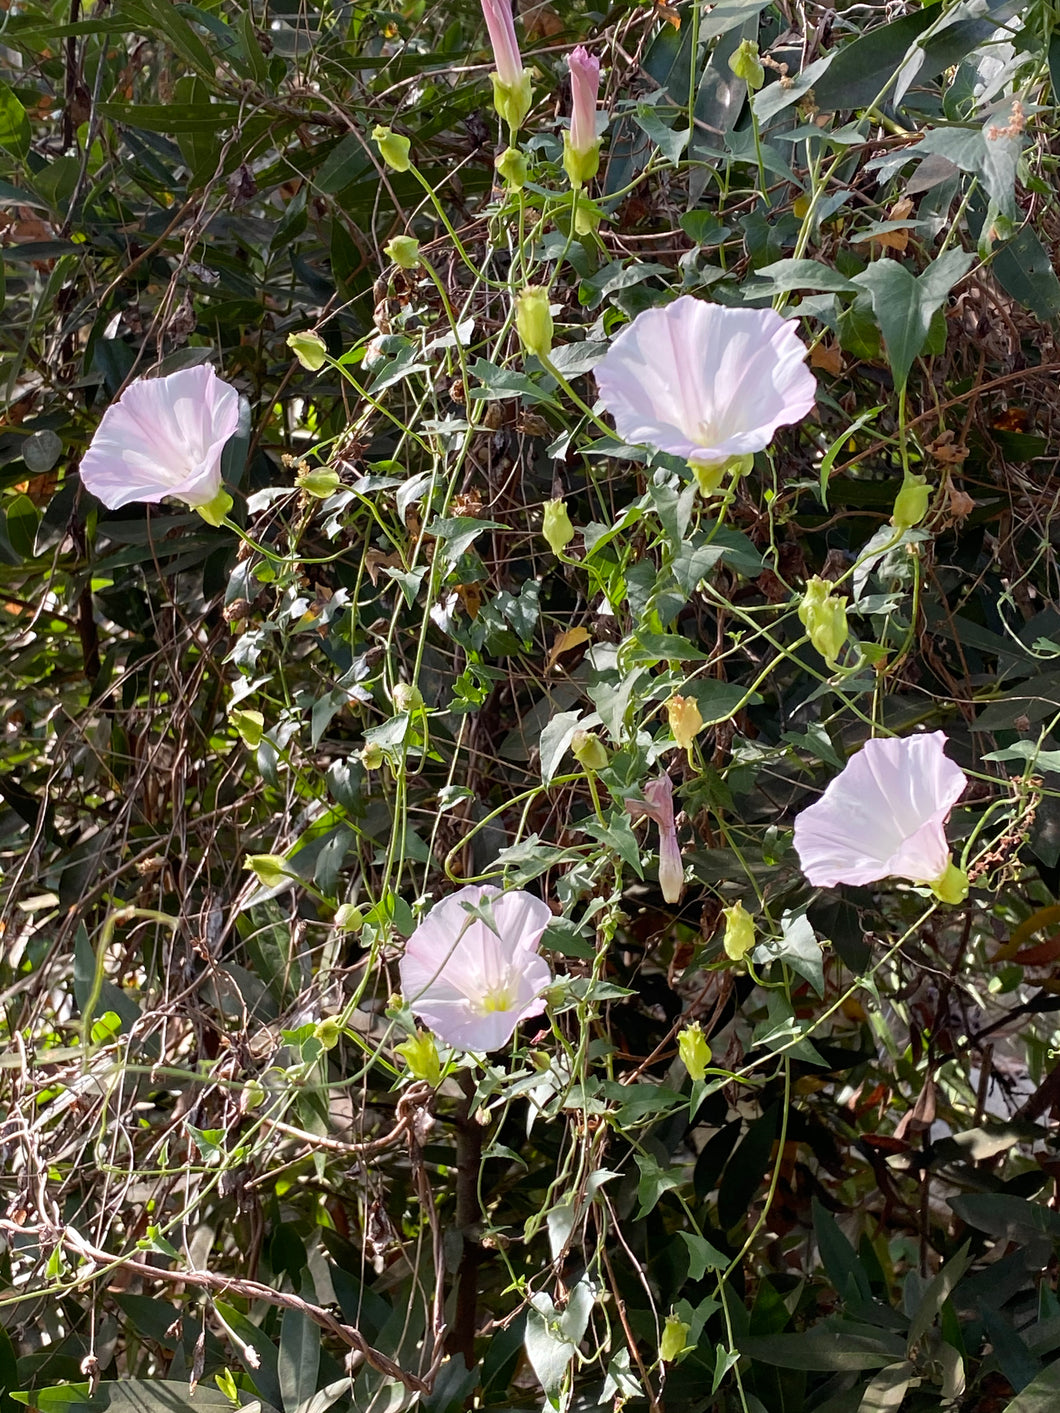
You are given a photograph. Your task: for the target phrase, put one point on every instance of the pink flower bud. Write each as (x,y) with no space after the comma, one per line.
(506,56)
(584,86)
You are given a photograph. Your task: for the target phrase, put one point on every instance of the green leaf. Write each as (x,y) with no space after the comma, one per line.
(840,1259)
(654,1181)
(22,521)
(299,1359)
(904,304)
(459,533)
(1002,1214)
(670,141)
(1024,270)
(865,68)
(831,1345)
(937,1292)
(886,1392)
(555,742)
(618,836)
(783,276)
(14,124)
(1041,1395)
(702,1257)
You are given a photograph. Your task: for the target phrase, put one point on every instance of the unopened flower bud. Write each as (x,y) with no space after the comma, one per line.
(556,526)
(372,755)
(911,503)
(746,64)
(824,616)
(407,697)
(512,100)
(686,721)
(321,482)
(694,1051)
(269,869)
(309,348)
(511,165)
(329,1032)
(404,251)
(250,725)
(533,320)
(420,1054)
(589,751)
(672,1344)
(393,148)
(739,932)
(349,918)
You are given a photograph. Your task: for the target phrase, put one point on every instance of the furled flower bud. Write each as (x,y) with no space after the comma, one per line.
(321,482)
(269,869)
(533,320)
(672,1344)
(393,148)
(824,616)
(556,526)
(349,918)
(309,348)
(407,697)
(746,64)
(372,756)
(511,164)
(420,1054)
(694,1051)
(329,1032)
(686,721)
(250,725)
(911,503)
(512,93)
(739,932)
(581,146)
(404,251)
(589,751)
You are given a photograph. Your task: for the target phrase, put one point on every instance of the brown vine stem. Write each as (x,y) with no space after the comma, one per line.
(468,1164)
(249,1290)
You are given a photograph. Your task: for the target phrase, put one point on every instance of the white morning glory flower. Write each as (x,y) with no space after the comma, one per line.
(164,437)
(884,816)
(705,382)
(472,986)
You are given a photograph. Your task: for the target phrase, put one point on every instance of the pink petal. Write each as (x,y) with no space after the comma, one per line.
(472,985)
(501,25)
(705,382)
(163,437)
(884,816)
(585,85)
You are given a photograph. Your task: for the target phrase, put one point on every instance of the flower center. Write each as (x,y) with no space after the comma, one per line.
(498,998)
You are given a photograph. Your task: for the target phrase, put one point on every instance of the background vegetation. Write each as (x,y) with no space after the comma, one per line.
(220,1184)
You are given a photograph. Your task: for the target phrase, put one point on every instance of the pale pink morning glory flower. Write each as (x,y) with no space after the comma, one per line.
(472,986)
(705,382)
(163,437)
(501,25)
(584,86)
(658,805)
(884,816)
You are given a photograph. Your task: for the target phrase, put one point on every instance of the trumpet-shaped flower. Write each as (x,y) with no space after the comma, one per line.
(473,985)
(164,437)
(705,382)
(581,146)
(884,816)
(658,805)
